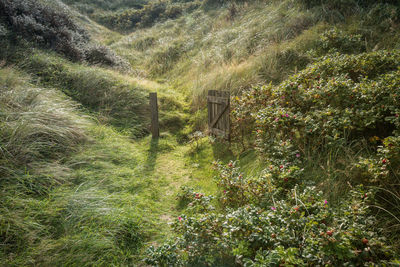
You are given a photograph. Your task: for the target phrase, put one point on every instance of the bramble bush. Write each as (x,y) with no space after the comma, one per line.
(284,227)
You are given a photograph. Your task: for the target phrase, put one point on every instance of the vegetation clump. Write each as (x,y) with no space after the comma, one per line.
(342,107)
(262,223)
(44,25)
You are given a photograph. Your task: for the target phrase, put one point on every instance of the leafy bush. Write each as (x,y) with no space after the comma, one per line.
(271,226)
(164,255)
(339,97)
(335,40)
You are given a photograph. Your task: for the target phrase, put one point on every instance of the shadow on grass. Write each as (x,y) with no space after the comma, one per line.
(152,155)
(222,151)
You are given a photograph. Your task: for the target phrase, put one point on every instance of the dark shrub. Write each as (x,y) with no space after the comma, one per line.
(53,29)
(102,55)
(44,26)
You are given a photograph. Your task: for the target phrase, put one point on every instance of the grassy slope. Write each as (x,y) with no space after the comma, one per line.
(110,186)
(99,200)
(114,184)
(236,46)
(111,193)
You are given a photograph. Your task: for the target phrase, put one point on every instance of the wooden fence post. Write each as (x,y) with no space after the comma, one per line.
(155,131)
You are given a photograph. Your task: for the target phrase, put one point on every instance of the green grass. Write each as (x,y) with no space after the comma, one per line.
(81,182)
(107,199)
(261,43)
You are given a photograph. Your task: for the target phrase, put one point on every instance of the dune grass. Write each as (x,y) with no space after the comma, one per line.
(94,199)
(260,42)
(82,184)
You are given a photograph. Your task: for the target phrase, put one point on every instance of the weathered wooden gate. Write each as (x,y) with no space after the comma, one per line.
(218,113)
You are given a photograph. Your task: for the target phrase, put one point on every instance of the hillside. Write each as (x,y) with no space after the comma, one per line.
(310,176)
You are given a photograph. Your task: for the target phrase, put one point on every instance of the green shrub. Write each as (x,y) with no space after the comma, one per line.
(272,225)
(164,255)
(335,40)
(339,97)
(338,120)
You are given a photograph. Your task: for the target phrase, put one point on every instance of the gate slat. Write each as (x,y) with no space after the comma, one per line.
(218,103)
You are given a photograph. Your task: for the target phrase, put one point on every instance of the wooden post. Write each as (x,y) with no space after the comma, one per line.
(154,116)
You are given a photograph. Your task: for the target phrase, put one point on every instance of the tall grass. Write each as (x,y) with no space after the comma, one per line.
(112,97)
(39,128)
(65,199)
(36,123)
(260,42)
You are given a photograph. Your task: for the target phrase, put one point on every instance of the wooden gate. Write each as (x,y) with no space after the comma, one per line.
(218,113)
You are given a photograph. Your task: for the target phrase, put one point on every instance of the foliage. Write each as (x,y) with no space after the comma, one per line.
(195,140)
(145,16)
(164,255)
(339,116)
(335,40)
(339,97)
(47,26)
(296,226)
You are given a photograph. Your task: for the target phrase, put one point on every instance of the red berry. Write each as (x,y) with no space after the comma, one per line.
(365,241)
(384,161)
(230,164)
(329,233)
(273,235)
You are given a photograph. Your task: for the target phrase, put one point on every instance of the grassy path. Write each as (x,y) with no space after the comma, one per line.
(120,179)
(168,166)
